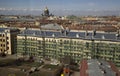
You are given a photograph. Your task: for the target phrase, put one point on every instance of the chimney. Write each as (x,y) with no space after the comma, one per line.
(66,31)
(86,33)
(94,33)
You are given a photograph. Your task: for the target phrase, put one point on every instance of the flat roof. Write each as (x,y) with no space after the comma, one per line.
(101,68)
(11,29)
(97,67)
(54,26)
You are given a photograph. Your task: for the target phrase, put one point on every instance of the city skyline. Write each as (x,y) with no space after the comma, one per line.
(66,7)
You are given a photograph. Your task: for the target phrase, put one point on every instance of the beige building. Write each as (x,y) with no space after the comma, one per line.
(8,40)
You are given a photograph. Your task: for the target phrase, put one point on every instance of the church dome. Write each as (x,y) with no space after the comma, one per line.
(46,12)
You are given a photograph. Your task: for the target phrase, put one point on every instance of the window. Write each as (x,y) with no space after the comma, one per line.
(87,45)
(3,40)
(7,42)
(40,42)
(7,48)
(74,42)
(7,37)
(66,41)
(46,40)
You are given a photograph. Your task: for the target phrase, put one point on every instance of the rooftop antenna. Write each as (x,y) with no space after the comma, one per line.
(94,33)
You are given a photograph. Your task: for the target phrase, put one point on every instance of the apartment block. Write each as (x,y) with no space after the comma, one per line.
(77,45)
(8,40)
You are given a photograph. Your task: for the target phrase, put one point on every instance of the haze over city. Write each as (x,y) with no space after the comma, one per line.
(67,7)
(59,37)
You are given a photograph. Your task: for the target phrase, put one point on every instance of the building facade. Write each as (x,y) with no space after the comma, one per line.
(56,45)
(8,40)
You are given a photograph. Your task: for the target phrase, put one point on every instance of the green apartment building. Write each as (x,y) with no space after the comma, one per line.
(77,45)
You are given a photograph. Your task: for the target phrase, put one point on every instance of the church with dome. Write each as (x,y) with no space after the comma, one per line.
(46,12)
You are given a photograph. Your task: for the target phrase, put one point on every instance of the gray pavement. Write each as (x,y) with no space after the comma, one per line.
(76,74)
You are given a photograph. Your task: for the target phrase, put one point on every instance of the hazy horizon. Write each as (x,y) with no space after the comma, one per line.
(62,7)
(61,12)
